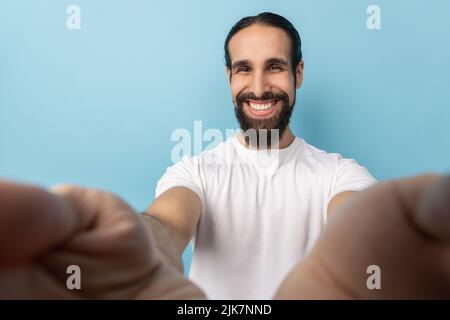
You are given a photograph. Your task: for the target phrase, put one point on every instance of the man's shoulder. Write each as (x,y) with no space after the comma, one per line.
(333,163)
(311,153)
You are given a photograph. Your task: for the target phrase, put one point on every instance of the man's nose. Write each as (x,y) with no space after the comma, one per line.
(259,84)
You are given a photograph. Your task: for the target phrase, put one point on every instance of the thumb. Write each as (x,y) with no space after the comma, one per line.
(32,220)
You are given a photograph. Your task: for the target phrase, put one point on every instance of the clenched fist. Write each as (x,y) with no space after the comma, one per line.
(42,233)
(401,226)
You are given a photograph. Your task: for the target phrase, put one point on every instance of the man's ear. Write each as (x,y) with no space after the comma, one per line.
(299,74)
(228,73)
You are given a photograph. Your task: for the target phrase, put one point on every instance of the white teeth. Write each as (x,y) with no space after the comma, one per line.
(260,107)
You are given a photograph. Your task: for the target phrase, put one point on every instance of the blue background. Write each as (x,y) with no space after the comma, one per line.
(97,106)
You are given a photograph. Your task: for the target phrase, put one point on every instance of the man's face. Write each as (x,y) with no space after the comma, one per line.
(261,78)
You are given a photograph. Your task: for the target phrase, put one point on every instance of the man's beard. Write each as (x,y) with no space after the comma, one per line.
(263,127)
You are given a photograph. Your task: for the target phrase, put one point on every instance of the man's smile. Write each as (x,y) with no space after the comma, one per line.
(261,109)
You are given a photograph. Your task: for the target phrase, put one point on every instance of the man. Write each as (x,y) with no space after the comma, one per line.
(403,226)
(254,217)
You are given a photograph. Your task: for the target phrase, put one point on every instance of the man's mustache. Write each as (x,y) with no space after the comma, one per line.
(242,97)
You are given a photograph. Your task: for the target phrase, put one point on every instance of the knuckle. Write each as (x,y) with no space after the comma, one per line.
(64,189)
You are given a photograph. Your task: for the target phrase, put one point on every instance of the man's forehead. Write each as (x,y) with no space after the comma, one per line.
(259,43)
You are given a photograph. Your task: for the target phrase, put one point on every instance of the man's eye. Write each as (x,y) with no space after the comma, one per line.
(243,69)
(274,67)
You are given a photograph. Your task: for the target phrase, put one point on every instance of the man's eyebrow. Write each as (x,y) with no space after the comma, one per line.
(240,63)
(277,61)
(247,62)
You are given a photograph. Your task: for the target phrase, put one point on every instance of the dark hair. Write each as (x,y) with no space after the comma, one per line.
(272,20)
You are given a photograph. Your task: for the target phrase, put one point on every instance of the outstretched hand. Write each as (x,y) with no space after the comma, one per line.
(42,233)
(400,226)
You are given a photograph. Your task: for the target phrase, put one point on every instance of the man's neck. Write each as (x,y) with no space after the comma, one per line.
(285,141)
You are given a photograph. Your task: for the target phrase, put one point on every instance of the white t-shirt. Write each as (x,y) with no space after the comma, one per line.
(261,212)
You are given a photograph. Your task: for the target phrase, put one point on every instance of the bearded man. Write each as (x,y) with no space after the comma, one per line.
(255,204)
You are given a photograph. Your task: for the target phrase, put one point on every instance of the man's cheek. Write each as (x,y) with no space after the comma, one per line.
(237,85)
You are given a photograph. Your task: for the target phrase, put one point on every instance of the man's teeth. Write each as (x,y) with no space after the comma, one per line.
(261,106)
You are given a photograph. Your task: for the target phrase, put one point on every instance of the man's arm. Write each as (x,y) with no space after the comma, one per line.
(92,230)
(172,218)
(402,226)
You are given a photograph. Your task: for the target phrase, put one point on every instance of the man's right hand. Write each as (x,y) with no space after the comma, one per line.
(42,233)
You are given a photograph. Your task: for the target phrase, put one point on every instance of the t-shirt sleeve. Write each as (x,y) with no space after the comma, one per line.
(350,176)
(182,174)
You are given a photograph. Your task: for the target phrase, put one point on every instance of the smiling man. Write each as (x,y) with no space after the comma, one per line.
(253,218)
